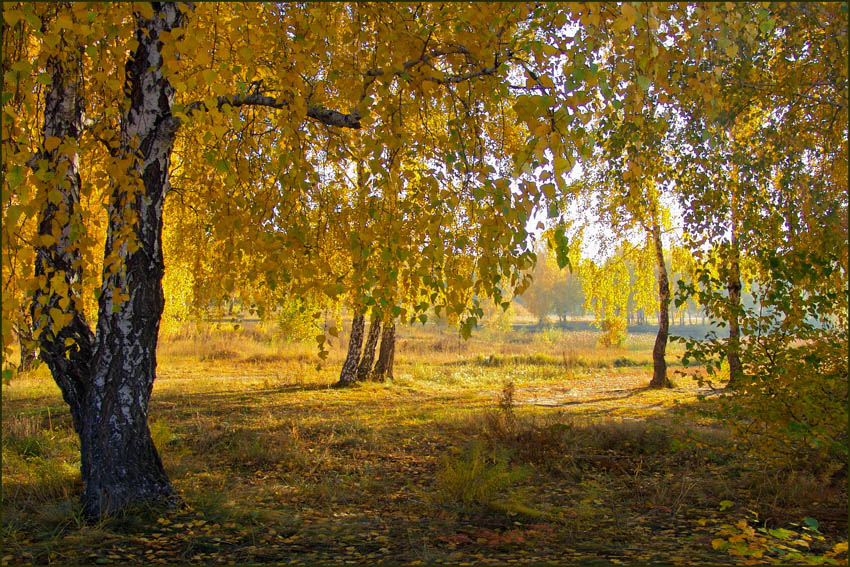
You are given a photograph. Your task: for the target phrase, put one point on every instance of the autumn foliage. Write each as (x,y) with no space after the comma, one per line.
(166,163)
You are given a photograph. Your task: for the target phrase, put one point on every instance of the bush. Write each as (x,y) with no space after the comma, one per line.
(792,402)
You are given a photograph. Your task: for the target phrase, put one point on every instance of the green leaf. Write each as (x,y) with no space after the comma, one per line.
(15,176)
(562,248)
(812,523)
(644,82)
(780,533)
(724,504)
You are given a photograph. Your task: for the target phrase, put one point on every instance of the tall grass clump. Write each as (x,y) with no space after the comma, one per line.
(477,477)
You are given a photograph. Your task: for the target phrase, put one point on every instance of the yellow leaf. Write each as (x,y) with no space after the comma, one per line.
(64,22)
(12,16)
(629,14)
(55,314)
(144,8)
(52,143)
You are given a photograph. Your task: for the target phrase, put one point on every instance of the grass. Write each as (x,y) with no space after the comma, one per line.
(541,447)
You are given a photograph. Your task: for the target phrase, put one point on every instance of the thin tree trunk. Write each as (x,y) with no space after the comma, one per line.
(348,375)
(364,369)
(659,365)
(28,355)
(26,341)
(733,286)
(107,378)
(384,366)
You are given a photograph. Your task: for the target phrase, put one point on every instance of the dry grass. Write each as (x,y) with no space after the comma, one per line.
(255,439)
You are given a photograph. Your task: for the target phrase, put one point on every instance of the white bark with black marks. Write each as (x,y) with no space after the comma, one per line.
(659,365)
(107,378)
(364,369)
(348,375)
(126,467)
(70,365)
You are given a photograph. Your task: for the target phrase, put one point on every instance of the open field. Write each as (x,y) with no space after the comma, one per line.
(516,447)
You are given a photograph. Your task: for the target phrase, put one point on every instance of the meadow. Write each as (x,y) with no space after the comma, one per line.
(513,447)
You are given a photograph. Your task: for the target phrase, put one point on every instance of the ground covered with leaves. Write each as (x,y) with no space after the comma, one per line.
(522,450)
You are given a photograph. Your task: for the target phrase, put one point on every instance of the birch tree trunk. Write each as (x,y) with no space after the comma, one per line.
(364,369)
(124,466)
(659,365)
(733,286)
(348,375)
(59,263)
(107,378)
(29,353)
(384,366)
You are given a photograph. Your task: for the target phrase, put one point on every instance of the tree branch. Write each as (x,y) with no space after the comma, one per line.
(352,120)
(773,88)
(323,115)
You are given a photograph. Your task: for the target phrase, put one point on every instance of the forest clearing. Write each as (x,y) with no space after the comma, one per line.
(576,462)
(421,282)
